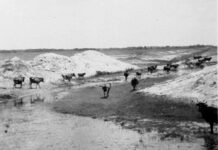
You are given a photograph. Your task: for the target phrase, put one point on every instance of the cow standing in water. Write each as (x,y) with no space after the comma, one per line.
(134,83)
(36,80)
(106,90)
(126,74)
(18,80)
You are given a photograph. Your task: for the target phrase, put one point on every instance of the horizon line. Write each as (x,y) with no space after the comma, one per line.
(163,46)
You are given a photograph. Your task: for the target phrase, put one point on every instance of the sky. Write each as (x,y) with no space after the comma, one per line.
(106,23)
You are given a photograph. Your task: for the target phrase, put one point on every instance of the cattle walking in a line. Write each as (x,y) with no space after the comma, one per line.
(126,74)
(35,80)
(68,77)
(18,80)
(134,83)
(106,90)
(209,114)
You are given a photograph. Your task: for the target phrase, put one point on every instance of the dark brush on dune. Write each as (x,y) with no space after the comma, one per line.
(197,57)
(209,114)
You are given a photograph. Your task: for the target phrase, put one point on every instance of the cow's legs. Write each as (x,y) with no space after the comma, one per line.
(211,128)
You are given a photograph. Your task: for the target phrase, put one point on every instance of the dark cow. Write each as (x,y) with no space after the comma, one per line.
(207,58)
(199,64)
(174,66)
(166,68)
(197,57)
(208,113)
(134,83)
(126,74)
(68,77)
(152,68)
(35,80)
(106,90)
(81,75)
(138,74)
(18,80)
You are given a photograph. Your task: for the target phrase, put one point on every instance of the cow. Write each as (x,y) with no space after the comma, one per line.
(68,77)
(207,58)
(199,64)
(152,68)
(209,114)
(134,83)
(197,57)
(18,80)
(138,74)
(81,75)
(166,68)
(35,80)
(174,66)
(126,74)
(106,90)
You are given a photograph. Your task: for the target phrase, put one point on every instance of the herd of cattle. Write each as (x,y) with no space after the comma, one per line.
(208,113)
(200,60)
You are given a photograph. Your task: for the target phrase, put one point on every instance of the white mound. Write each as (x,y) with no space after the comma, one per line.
(14,67)
(92,61)
(200,85)
(53,62)
(51,65)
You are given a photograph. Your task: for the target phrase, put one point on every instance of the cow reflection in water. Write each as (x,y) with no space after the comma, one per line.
(36,98)
(18,102)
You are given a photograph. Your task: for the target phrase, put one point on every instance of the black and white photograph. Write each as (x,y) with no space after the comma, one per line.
(108,75)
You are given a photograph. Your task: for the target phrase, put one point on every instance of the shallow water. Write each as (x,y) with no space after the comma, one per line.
(35,126)
(30,124)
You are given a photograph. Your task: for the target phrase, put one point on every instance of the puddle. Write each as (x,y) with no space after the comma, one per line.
(27,123)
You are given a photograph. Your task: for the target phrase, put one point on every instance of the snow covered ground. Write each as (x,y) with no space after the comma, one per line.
(196,84)
(50,66)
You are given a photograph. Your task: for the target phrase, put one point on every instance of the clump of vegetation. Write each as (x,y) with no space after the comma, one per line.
(100,73)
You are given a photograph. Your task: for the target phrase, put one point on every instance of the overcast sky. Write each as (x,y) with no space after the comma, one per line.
(106,23)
